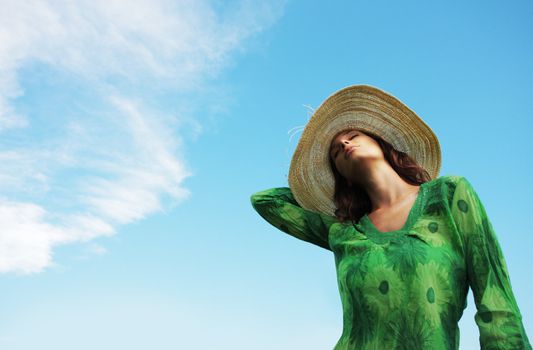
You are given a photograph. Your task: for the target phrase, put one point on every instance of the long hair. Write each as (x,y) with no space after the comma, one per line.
(353,202)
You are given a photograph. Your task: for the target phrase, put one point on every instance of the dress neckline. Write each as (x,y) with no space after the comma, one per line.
(414,213)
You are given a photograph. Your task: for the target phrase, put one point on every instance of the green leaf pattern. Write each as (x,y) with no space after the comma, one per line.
(407,289)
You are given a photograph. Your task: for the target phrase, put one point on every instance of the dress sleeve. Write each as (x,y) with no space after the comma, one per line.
(280,209)
(498,316)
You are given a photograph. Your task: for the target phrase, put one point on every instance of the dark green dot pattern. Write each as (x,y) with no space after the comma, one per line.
(462,205)
(433,227)
(430,295)
(404,289)
(485,314)
(384,287)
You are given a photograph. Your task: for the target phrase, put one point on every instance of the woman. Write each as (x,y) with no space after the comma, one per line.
(407,243)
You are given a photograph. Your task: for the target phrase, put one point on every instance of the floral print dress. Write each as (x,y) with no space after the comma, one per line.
(407,289)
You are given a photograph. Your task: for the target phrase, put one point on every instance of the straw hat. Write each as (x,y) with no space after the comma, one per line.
(368,109)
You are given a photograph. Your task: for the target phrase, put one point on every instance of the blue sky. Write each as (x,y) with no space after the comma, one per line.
(132,135)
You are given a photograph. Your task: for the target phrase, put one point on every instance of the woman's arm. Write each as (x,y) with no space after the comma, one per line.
(280,209)
(498,316)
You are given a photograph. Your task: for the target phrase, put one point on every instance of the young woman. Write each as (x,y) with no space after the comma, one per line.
(407,243)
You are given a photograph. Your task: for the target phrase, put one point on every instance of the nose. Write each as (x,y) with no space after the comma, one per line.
(345,143)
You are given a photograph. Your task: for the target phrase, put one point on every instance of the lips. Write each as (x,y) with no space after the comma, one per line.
(348,151)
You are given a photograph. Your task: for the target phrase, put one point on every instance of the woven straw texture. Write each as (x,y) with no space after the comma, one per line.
(366,108)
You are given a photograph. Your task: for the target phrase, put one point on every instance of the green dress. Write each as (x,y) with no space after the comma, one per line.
(407,289)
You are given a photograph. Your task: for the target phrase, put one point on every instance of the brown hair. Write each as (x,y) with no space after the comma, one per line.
(352,202)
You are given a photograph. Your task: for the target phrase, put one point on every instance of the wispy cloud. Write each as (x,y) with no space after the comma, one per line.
(113,156)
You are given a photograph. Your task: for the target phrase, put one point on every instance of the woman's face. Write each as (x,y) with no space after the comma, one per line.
(351,150)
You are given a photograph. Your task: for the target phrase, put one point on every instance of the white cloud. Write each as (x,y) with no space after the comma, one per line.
(114,158)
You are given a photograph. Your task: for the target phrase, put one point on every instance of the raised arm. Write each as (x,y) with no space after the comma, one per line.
(498,316)
(280,209)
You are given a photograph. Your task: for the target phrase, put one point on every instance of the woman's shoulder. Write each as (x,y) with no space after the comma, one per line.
(449,181)
(445,186)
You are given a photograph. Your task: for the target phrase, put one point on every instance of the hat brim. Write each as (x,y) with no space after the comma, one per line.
(362,107)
